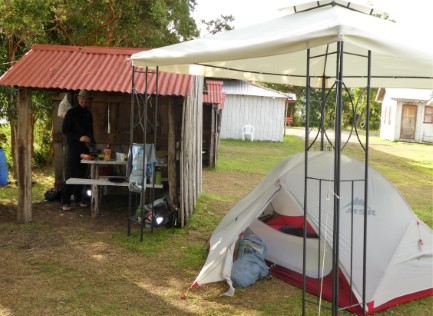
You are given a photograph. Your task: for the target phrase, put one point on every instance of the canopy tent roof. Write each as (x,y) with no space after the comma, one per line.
(275,51)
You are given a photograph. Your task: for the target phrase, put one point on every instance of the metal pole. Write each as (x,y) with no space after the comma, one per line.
(131,124)
(322,114)
(337,162)
(307,128)
(144,130)
(155,126)
(367,130)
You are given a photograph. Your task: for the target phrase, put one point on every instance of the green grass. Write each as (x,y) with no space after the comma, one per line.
(255,157)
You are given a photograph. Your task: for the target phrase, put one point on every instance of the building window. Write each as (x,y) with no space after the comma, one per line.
(428,114)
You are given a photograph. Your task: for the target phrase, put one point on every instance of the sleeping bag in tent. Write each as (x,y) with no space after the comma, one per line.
(399,256)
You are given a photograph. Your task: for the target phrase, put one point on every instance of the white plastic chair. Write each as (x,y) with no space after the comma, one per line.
(248,131)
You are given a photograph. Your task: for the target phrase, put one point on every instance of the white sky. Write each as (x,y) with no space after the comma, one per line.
(247,12)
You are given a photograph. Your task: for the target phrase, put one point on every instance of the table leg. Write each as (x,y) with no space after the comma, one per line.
(94,202)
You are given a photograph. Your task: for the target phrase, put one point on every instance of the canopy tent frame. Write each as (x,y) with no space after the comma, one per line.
(337,147)
(140,101)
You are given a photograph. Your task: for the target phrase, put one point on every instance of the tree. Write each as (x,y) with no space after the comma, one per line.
(140,23)
(220,24)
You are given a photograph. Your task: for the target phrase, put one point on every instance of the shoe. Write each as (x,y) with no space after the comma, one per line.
(66,207)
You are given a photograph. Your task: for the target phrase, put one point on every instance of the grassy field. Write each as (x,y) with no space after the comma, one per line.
(66,263)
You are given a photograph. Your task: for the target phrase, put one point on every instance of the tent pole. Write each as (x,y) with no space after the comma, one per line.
(322,114)
(307,141)
(337,163)
(367,131)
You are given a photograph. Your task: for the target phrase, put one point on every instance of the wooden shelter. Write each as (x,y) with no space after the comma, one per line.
(68,69)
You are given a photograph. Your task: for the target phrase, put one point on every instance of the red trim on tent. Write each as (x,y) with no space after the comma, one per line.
(313,286)
(295,221)
(347,298)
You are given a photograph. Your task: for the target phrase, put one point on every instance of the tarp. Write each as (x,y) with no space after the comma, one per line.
(275,51)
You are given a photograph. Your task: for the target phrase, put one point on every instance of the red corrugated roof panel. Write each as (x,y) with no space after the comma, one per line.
(92,68)
(214,93)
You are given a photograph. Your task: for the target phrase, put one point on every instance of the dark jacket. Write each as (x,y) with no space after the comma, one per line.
(78,122)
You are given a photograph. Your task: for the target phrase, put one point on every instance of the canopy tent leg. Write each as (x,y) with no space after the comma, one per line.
(338,148)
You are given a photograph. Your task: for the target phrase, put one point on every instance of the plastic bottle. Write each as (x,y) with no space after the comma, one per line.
(107,153)
(3,168)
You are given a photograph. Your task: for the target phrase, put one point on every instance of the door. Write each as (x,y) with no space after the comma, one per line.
(408,122)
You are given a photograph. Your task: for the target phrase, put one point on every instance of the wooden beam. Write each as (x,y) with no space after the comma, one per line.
(171,158)
(24,156)
(212,137)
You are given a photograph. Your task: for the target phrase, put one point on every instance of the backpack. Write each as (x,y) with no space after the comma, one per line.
(53,195)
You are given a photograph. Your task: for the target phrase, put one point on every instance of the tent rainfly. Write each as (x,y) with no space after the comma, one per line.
(399,245)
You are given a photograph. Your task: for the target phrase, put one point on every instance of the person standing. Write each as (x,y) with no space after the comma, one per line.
(78,130)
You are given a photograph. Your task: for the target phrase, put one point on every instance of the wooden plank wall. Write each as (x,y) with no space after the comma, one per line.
(191,151)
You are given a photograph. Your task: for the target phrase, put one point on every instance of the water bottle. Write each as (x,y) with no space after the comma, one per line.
(3,168)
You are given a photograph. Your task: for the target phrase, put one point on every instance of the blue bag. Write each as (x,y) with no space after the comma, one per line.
(250,264)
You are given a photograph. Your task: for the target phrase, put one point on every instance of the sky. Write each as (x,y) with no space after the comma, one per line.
(247,12)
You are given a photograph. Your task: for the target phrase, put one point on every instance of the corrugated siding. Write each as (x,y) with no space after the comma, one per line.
(264,113)
(92,68)
(214,93)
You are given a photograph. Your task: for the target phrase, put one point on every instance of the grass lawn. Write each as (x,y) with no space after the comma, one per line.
(66,263)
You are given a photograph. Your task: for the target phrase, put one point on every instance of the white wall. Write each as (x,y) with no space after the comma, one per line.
(426,129)
(264,113)
(389,124)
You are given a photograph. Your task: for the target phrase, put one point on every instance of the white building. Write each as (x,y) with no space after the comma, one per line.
(246,103)
(407,115)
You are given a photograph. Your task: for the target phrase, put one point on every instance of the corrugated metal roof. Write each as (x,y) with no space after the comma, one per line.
(247,88)
(214,93)
(91,67)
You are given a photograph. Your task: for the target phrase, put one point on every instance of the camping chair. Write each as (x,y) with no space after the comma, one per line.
(248,130)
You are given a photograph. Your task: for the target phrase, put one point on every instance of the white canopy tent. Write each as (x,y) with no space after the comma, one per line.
(275,51)
(325,44)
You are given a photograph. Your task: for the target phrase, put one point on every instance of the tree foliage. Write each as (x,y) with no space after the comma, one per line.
(139,23)
(218,25)
(354,106)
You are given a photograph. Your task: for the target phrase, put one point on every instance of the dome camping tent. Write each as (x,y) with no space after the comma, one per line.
(399,245)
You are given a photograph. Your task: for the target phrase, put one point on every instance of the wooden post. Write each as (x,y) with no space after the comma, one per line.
(58,150)
(94,201)
(24,156)
(171,159)
(212,137)
(199,133)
